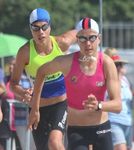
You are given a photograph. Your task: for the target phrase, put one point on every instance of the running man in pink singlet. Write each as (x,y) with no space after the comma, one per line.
(88,74)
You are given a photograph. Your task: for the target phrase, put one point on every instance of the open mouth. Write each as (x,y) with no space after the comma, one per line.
(41,38)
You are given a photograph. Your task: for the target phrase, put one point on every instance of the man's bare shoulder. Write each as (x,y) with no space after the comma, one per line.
(107,60)
(109,67)
(25,48)
(23,53)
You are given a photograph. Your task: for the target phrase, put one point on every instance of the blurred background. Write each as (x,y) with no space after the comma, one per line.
(118,19)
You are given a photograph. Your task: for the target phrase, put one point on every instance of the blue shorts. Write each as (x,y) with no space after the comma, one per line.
(122,134)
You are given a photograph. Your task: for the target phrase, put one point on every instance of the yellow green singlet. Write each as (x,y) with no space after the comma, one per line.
(54,84)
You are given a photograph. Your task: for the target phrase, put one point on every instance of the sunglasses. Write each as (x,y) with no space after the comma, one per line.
(37,28)
(119,65)
(91,38)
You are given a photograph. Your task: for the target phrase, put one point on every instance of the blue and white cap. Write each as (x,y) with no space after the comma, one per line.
(87,23)
(39,14)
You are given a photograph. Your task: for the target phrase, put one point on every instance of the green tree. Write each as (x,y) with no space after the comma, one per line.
(14,16)
(64,14)
(118,10)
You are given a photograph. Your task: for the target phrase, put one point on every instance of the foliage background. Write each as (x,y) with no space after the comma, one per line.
(64,14)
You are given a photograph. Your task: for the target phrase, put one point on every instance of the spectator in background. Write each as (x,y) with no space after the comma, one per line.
(20,115)
(121,124)
(6,95)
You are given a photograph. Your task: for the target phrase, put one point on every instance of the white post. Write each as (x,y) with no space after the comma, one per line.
(28,139)
(8,143)
(100,12)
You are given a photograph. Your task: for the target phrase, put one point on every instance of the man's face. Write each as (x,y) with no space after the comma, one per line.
(40,31)
(88,41)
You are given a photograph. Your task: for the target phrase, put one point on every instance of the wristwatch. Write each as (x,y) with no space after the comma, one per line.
(99,106)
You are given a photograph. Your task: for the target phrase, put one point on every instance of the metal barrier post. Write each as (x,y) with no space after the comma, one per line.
(28,139)
(17,105)
(8,143)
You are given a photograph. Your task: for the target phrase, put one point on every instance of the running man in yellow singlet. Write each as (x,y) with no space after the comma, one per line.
(43,48)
